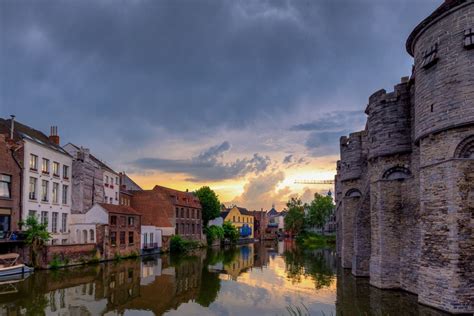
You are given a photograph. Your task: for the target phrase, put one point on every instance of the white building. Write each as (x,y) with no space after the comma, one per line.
(46,189)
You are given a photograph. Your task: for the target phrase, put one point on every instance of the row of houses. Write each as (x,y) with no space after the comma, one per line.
(82,200)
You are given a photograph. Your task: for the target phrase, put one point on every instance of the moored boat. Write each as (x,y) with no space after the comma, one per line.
(9,265)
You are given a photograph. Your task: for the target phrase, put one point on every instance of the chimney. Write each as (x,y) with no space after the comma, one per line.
(53,136)
(12,125)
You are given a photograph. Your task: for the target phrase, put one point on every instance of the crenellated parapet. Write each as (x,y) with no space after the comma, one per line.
(352,155)
(389,121)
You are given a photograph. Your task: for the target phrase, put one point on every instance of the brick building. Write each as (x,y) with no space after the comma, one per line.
(10,185)
(404,185)
(180,211)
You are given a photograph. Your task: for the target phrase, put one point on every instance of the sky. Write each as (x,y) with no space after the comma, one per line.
(245,96)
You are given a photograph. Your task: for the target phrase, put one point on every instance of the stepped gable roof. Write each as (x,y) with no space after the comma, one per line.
(22,131)
(443,8)
(122,209)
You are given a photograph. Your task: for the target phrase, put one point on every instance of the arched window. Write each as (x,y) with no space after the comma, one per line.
(396,173)
(91,233)
(465,148)
(78,236)
(353,193)
(84,236)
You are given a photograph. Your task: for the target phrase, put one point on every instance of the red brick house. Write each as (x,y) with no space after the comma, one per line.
(179,211)
(116,229)
(10,186)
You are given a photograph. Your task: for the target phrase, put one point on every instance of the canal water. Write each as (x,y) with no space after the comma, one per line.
(256,279)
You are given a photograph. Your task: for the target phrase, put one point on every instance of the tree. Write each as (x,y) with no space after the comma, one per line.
(230,231)
(37,236)
(210,204)
(213,232)
(294,219)
(319,210)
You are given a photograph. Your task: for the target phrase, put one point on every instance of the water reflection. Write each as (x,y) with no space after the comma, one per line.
(255,279)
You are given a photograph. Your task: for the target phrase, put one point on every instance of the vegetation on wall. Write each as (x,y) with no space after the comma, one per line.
(37,236)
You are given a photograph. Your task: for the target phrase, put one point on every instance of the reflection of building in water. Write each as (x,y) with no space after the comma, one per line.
(243,261)
(261,255)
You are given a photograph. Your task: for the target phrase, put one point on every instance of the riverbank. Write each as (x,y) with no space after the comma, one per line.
(314,241)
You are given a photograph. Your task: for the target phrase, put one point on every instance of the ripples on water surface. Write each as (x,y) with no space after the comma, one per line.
(256,279)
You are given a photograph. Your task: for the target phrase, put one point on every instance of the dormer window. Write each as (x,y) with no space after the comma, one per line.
(469,38)
(430,56)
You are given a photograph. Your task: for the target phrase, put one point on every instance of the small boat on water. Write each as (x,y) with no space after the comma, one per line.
(9,265)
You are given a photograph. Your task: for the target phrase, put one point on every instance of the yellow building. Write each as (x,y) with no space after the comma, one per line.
(242,219)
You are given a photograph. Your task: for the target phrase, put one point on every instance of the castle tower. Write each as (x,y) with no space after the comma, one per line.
(393,189)
(444,130)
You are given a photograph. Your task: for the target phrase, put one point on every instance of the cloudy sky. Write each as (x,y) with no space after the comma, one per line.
(245,96)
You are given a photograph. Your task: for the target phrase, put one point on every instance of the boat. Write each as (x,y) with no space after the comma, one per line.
(9,265)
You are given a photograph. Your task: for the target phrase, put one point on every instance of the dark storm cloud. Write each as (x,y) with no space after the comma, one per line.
(288,159)
(122,71)
(208,165)
(333,121)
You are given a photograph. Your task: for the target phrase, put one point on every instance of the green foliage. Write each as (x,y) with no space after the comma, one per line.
(37,236)
(319,210)
(314,241)
(210,204)
(179,244)
(294,219)
(56,263)
(230,231)
(213,233)
(117,256)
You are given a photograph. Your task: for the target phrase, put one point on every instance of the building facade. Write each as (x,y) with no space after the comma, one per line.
(10,185)
(46,179)
(404,185)
(242,219)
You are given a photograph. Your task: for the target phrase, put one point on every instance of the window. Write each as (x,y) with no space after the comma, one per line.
(44,218)
(65,193)
(469,38)
(111,201)
(430,56)
(55,192)
(177,212)
(130,221)
(32,213)
(5,186)
(32,194)
(33,162)
(54,222)
(130,238)
(113,238)
(116,196)
(56,169)
(122,238)
(91,235)
(106,179)
(116,180)
(65,172)
(113,220)
(45,166)
(64,223)
(187,213)
(151,238)
(123,220)
(182,212)
(44,190)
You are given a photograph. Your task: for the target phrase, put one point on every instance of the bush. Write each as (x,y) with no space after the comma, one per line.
(179,244)
(213,233)
(56,263)
(230,232)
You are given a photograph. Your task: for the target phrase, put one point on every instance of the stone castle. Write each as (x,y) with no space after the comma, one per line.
(405,184)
